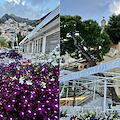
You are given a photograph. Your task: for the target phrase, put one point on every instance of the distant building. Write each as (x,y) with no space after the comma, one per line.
(11,28)
(103,22)
(22,24)
(45,36)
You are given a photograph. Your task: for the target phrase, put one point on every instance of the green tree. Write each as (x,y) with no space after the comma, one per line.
(113,28)
(20,38)
(3,43)
(30,29)
(83,39)
(10,44)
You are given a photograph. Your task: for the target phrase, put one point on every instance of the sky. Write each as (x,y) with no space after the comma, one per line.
(90,9)
(31,9)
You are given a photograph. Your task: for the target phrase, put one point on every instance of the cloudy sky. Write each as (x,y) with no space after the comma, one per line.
(90,9)
(31,9)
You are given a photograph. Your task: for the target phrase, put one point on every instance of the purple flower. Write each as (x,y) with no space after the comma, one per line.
(9,107)
(13,100)
(29,101)
(22,114)
(1,115)
(40,110)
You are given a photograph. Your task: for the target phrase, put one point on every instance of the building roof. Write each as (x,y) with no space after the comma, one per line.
(49,18)
(92,70)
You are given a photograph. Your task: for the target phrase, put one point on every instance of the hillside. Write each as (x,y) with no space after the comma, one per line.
(19,19)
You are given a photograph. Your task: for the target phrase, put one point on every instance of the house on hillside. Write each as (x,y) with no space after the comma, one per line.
(45,36)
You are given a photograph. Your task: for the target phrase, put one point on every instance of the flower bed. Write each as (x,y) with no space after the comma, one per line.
(28,92)
(92,115)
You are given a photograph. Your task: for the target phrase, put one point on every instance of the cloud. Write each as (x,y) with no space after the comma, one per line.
(15,1)
(32,9)
(115,7)
(23,3)
(87,9)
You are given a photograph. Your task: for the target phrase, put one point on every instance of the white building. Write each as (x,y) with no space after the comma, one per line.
(22,24)
(45,36)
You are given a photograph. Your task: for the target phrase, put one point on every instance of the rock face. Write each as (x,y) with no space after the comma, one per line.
(17,19)
(24,20)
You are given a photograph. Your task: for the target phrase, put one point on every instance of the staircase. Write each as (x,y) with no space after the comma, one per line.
(99,101)
(85,101)
(79,100)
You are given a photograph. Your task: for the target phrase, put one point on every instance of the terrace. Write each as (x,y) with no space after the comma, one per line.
(92,88)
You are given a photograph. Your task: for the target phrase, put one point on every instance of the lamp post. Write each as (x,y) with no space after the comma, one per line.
(14,39)
(12,34)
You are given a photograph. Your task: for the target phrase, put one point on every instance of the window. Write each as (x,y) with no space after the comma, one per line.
(51,41)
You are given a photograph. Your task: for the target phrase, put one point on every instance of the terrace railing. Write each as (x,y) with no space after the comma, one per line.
(84,100)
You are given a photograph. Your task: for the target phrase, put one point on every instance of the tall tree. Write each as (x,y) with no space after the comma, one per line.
(83,39)
(10,44)
(20,37)
(88,36)
(113,28)
(3,43)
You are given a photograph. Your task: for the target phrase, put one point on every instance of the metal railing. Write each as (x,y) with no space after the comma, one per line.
(84,100)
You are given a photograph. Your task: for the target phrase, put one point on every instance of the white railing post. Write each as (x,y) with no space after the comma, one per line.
(105,89)
(69,102)
(66,96)
(76,101)
(62,90)
(94,90)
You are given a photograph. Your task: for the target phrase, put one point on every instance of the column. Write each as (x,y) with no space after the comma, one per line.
(32,46)
(37,45)
(27,47)
(44,44)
